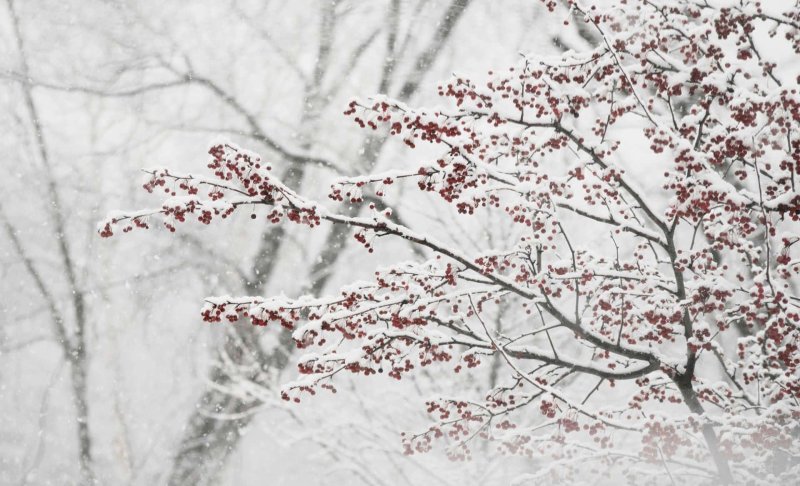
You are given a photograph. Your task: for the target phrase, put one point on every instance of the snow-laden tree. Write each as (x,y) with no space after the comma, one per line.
(652,284)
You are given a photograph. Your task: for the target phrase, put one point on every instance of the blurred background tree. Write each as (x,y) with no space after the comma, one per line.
(102,358)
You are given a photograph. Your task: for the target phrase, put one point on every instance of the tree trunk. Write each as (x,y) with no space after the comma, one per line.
(73,344)
(208,441)
(684,383)
(77,365)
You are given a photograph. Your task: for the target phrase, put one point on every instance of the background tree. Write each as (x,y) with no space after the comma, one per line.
(120,85)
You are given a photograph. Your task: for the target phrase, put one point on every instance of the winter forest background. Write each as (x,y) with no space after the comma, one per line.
(108,374)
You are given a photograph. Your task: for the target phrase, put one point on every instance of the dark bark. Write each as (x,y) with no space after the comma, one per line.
(684,379)
(684,383)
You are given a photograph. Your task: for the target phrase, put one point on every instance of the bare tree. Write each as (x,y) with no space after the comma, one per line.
(210,435)
(146,81)
(69,325)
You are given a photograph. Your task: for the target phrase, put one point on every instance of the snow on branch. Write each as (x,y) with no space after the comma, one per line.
(653,187)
